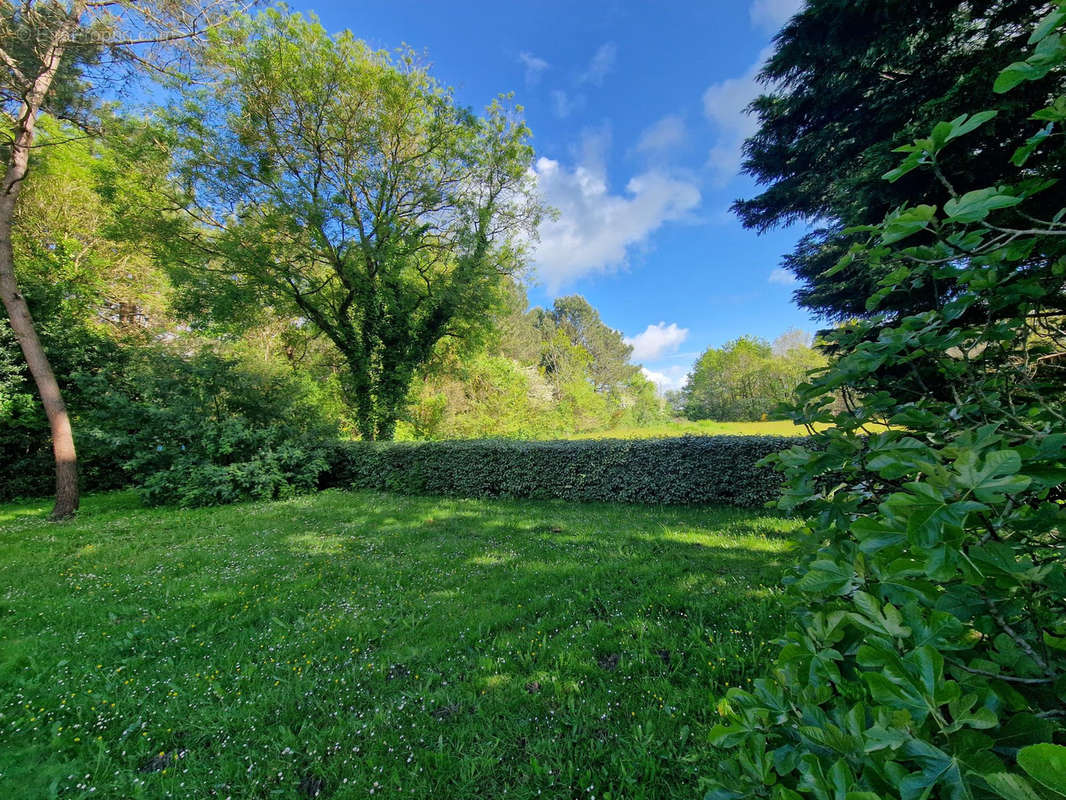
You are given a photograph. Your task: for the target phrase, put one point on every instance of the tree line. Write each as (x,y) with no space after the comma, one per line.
(748,378)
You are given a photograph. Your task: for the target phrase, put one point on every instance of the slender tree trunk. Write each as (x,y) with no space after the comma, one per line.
(47,386)
(17,309)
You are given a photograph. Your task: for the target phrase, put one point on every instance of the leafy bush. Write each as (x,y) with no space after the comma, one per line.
(233,462)
(688,470)
(206,430)
(27,464)
(929,655)
(192,430)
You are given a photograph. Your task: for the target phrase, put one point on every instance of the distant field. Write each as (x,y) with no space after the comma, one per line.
(354,645)
(701,428)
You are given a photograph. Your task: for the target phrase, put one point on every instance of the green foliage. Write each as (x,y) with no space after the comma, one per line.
(747,379)
(712,470)
(92,296)
(483,396)
(205,430)
(73,260)
(1046,764)
(23,27)
(197,430)
(27,466)
(928,658)
(414,217)
(608,353)
(540,374)
(232,462)
(99,303)
(850,81)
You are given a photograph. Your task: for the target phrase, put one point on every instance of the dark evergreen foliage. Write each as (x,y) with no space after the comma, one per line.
(849,82)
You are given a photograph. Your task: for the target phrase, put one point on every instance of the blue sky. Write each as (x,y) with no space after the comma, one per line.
(636,113)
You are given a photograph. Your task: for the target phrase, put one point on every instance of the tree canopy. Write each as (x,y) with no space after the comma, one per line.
(748,378)
(345,186)
(607,349)
(847,83)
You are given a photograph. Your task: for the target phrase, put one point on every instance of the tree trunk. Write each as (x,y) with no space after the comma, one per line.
(17,309)
(386,428)
(364,412)
(47,386)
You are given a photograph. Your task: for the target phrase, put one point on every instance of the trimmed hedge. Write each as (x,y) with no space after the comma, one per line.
(690,470)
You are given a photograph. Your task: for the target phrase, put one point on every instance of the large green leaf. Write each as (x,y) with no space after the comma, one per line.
(992,478)
(937,629)
(1047,25)
(1018,72)
(825,576)
(937,769)
(976,205)
(944,132)
(914,683)
(885,620)
(907,222)
(877,533)
(1046,764)
(1011,787)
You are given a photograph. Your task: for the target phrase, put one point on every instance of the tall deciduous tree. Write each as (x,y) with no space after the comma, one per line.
(732,382)
(748,378)
(348,187)
(46,48)
(850,81)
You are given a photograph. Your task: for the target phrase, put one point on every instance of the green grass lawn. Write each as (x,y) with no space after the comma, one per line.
(362,644)
(700,428)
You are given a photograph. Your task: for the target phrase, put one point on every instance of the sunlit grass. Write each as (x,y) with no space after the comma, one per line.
(700,428)
(367,644)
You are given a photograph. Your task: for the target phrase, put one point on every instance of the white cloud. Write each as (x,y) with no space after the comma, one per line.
(601,64)
(534,67)
(725,102)
(667,133)
(563,105)
(594,147)
(657,341)
(770,15)
(595,229)
(725,106)
(782,277)
(668,378)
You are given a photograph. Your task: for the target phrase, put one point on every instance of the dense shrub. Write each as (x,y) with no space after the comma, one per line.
(187,429)
(27,464)
(688,470)
(233,462)
(206,430)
